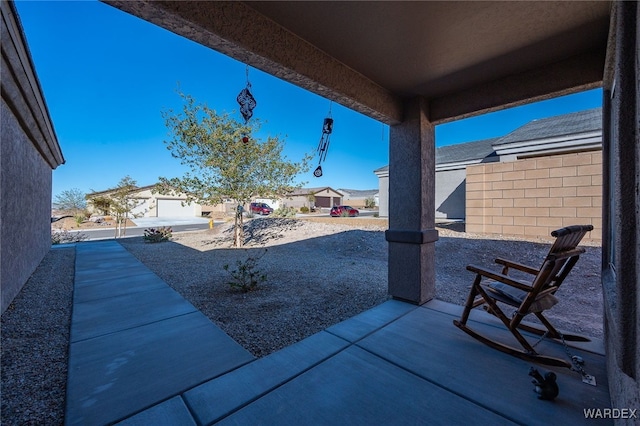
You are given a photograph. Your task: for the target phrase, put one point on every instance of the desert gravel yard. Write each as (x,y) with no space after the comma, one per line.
(322,272)
(318,272)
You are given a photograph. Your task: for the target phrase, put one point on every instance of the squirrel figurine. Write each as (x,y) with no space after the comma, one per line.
(546,387)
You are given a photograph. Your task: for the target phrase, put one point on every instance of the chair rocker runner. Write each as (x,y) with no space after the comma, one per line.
(528,297)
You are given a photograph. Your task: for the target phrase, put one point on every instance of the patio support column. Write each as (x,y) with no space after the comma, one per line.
(412,233)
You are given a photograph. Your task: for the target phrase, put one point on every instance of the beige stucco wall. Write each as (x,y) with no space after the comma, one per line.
(533,197)
(25,207)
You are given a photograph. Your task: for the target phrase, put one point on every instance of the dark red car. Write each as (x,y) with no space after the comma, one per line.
(261,208)
(338,211)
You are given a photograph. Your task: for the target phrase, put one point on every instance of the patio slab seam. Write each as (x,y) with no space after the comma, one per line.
(193,410)
(364,336)
(133,327)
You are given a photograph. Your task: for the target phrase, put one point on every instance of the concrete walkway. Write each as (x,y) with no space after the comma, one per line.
(141,355)
(134,341)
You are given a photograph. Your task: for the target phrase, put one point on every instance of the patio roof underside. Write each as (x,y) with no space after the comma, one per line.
(465,58)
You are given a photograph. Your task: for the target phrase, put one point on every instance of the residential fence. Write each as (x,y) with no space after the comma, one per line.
(535,196)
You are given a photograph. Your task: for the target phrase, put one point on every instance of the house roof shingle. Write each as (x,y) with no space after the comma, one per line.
(307,191)
(560,125)
(469,151)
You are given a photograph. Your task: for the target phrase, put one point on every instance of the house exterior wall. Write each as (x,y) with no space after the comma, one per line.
(383,195)
(226,208)
(620,248)
(295,201)
(450,194)
(29,150)
(25,207)
(533,197)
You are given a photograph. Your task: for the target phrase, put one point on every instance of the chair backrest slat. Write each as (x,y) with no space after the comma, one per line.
(567,238)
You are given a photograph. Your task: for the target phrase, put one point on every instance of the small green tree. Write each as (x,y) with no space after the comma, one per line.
(101,203)
(311,198)
(122,203)
(226,161)
(72,201)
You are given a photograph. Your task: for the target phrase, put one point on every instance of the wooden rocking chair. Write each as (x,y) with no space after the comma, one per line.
(530,296)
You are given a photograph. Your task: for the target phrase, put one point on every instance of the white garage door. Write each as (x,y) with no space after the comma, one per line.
(174,208)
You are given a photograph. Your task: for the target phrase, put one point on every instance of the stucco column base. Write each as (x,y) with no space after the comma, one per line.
(411,265)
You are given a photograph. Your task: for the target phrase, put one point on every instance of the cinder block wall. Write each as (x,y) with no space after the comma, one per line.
(533,197)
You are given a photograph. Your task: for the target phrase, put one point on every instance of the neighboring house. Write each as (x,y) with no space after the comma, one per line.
(319,197)
(358,198)
(451,163)
(29,151)
(542,176)
(150,204)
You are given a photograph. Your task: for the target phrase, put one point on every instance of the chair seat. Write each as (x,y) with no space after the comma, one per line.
(516,296)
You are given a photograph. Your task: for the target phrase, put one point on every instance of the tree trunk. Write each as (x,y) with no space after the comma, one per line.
(239,231)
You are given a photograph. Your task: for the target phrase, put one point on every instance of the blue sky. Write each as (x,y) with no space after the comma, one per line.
(107,76)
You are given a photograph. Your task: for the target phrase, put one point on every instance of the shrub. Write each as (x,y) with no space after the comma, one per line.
(246,276)
(285,212)
(369,203)
(157,235)
(79,218)
(64,236)
(304,209)
(376,214)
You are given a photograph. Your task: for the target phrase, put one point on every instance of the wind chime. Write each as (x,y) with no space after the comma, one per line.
(247,103)
(323,145)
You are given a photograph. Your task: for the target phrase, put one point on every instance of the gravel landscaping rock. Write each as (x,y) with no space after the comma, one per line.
(35,343)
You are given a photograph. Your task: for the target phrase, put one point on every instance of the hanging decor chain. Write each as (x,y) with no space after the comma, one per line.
(540,339)
(247,104)
(577,363)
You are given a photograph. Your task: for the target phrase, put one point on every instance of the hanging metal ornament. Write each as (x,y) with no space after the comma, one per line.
(323,145)
(247,103)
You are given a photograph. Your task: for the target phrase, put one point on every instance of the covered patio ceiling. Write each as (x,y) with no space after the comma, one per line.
(465,58)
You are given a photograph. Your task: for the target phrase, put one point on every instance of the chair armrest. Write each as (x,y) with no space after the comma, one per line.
(566,254)
(518,266)
(498,277)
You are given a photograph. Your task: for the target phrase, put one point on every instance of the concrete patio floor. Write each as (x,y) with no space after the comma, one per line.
(142,355)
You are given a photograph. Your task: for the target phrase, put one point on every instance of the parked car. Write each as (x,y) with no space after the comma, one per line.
(337,211)
(260,208)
